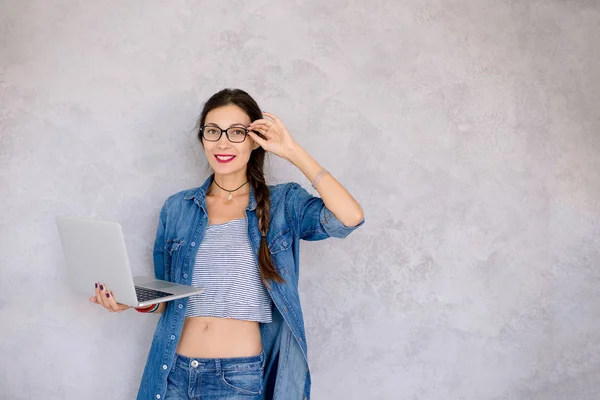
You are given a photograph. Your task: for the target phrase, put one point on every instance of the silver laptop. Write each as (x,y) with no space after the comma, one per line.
(95,252)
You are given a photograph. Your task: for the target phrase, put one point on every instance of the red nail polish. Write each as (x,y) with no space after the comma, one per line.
(101,287)
(107,294)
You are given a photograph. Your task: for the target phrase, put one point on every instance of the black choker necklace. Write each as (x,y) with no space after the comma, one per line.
(229,195)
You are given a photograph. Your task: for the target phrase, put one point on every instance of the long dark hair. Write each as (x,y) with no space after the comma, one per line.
(254,173)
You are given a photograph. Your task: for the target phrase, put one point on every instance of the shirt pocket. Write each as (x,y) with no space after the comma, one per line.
(280,247)
(173,248)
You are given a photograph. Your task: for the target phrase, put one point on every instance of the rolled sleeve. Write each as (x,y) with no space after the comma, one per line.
(333,226)
(312,219)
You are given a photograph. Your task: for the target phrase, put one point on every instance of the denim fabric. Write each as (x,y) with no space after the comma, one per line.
(239,378)
(295,215)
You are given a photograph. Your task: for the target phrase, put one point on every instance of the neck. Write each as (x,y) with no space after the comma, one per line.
(230,182)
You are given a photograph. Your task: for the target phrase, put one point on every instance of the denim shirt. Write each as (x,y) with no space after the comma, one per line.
(295,215)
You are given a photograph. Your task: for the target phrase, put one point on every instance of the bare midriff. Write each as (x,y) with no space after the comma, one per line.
(213,337)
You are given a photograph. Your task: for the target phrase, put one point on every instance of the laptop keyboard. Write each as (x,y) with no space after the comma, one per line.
(144,294)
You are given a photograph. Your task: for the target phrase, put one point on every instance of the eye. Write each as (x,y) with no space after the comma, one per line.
(211,130)
(237,131)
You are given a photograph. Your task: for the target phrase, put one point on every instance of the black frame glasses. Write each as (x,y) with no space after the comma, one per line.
(223,130)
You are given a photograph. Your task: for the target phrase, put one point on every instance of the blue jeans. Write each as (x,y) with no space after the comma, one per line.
(237,378)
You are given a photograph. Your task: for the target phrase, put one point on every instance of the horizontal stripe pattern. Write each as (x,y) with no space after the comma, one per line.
(227,270)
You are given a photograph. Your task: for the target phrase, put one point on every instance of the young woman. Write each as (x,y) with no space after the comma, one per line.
(239,239)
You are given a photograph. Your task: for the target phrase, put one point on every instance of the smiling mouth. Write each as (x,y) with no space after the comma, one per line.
(224,159)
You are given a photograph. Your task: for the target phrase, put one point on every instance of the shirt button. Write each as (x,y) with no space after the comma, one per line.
(158,396)
(180,306)
(193,244)
(284,243)
(172,337)
(185,275)
(164,367)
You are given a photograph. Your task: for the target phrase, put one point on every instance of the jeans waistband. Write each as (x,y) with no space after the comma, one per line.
(218,364)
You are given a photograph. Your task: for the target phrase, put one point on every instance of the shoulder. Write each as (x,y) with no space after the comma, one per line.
(286,188)
(282,188)
(285,192)
(175,200)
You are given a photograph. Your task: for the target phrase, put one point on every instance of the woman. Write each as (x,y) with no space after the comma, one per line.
(238,238)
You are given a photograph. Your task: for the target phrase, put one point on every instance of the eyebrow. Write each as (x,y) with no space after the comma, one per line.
(234,124)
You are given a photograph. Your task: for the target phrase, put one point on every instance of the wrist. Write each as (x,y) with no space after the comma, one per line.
(150,309)
(293,153)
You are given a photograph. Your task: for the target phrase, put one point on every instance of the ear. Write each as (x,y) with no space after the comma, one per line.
(255,146)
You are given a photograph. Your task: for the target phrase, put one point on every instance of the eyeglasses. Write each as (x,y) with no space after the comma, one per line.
(212,133)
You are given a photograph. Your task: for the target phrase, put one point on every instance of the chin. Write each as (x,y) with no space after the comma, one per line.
(226,169)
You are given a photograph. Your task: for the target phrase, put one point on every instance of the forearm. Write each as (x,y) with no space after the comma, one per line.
(334,195)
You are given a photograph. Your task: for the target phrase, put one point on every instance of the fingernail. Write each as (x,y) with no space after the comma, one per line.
(107,294)
(96,284)
(101,287)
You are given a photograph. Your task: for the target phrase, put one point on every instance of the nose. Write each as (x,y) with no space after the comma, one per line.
(223,142)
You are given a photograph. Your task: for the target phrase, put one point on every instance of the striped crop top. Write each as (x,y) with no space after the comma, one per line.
(227,269)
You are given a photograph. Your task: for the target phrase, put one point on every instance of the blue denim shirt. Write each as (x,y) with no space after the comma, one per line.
(295,215)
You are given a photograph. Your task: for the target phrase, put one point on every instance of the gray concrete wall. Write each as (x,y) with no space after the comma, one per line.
(468,130)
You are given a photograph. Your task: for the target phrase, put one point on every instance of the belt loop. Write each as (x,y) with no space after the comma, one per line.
(218,364)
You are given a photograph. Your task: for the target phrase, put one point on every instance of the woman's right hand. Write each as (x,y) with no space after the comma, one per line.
(105,298)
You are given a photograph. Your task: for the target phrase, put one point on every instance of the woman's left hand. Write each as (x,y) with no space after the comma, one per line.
(277,138)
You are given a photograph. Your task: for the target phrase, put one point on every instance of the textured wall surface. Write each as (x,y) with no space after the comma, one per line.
(468,130)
